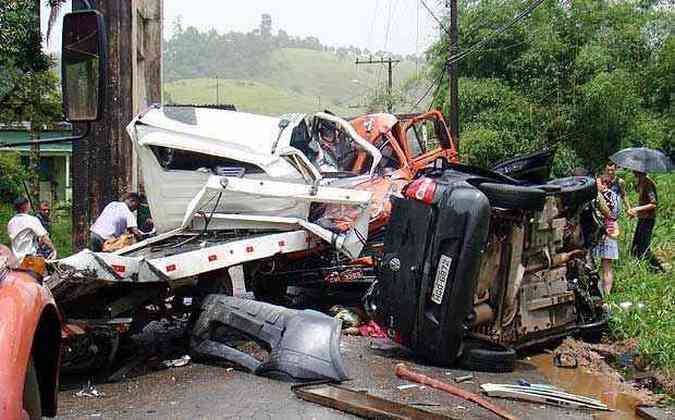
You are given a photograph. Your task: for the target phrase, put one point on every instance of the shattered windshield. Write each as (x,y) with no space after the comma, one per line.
(337,153)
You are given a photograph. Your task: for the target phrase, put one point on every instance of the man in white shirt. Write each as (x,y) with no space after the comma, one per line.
(27,233)
(117,218)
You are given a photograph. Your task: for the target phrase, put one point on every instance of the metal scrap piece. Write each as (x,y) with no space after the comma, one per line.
(303,345)
(544,395)
(361,404)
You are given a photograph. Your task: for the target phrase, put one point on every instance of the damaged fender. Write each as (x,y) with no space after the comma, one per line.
(303,345)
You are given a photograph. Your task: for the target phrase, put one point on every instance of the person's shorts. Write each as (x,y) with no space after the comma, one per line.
(607,249)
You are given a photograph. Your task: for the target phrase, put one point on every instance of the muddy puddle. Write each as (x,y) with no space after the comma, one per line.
(595,385)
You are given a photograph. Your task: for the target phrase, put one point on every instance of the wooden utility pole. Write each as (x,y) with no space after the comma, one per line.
(104,163)
(390,62)
(453,89)
(35,118)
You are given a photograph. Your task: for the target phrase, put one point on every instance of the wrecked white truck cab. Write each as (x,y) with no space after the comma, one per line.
(227,187)
(180,147)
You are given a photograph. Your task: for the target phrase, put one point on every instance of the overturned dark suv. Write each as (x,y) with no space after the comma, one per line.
(478,264)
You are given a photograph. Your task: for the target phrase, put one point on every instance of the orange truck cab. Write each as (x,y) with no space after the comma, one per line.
(30,343)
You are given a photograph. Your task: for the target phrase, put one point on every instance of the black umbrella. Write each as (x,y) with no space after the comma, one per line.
(642,159)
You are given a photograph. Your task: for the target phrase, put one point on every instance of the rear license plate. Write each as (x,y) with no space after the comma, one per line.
(441,279)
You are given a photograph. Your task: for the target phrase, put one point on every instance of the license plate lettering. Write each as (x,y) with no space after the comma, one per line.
(441,279)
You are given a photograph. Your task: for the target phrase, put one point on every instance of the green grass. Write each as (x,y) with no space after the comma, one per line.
(249,96)
(654,324)
(61,228)
(294,80)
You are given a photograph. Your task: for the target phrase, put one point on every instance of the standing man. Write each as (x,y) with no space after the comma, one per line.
(117,218)
(43,215)
(27,233)
(646,214)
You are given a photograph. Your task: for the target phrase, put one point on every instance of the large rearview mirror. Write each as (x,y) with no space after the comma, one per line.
(83,65)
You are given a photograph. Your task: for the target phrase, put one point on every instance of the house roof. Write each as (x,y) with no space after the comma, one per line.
(14,136)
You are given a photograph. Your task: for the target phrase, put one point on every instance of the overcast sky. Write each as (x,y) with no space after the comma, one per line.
(374,24)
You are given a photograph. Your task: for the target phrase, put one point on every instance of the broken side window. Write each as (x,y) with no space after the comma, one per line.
(389,157)
(183,160)
(422,136)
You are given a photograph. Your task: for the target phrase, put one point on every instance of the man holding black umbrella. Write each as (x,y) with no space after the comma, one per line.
(642,160)
(646,214)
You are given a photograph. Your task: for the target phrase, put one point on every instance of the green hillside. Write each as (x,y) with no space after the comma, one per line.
(293,79)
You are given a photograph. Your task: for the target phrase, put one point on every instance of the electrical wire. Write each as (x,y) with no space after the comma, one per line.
(417,38)
(478,45)
(433,15)
(392,8)
(436,83)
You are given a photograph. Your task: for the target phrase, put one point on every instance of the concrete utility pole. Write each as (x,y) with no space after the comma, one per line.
(453,90)
(389,61)
(104,164)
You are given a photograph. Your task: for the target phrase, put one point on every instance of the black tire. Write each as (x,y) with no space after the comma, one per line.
(484,356)
(513,196)
(575,191)
(32,403)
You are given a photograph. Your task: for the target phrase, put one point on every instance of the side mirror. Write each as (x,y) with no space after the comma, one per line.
(84,63)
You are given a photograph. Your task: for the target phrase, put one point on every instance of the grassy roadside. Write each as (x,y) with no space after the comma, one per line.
(651,317)
(61,228)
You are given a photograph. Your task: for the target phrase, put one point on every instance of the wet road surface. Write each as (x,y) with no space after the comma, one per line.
(210,392)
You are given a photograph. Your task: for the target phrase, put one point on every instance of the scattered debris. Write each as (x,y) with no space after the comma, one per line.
(89,391)
(372,329)
(369,329)
(350,317)
(464,378)
(407,386)
(304,345)
(588,357)
(180,362)
(565,359)
(628,305)
(654,413)
(542,394)
(595,376)
(362,404)
(404,373)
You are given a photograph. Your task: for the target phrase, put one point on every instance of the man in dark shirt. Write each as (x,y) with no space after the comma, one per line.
(646,214)
(43,215)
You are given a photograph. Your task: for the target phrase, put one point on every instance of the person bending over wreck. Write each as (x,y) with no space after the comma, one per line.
(116,219)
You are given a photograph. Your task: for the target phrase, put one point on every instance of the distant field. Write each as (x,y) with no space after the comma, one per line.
(249,96)
(293,80)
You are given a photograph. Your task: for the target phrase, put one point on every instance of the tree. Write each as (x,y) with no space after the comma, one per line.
(28,88)
(20,49)
(588,77)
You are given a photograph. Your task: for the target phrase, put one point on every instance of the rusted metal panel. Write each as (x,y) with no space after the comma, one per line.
(362,404)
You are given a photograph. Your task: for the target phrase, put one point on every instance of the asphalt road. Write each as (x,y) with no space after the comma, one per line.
(200,391)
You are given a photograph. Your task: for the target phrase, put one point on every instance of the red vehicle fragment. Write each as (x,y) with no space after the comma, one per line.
(30,343)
